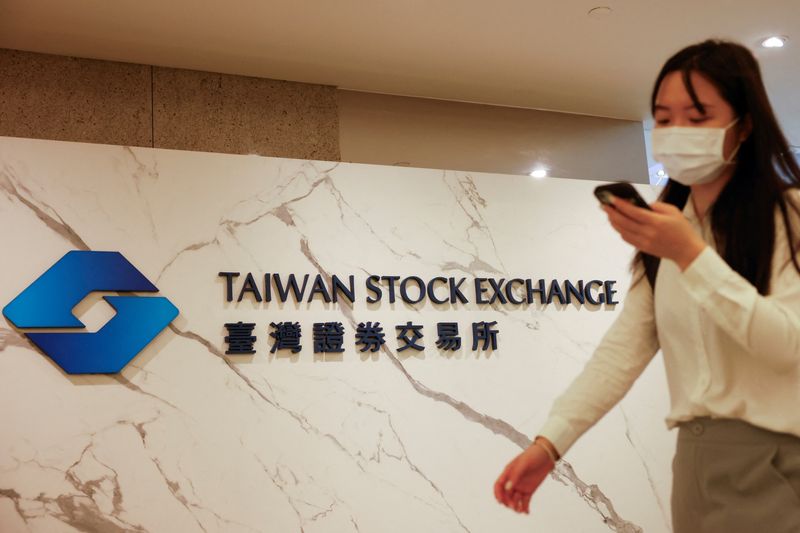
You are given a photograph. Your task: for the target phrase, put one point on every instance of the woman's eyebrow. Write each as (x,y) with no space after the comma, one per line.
(690,106)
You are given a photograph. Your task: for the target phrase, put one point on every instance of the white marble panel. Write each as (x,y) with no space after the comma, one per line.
(187,439)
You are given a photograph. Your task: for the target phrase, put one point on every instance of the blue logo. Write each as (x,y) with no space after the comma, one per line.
(48,303)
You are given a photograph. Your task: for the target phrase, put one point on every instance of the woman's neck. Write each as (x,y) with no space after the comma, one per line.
(703,195)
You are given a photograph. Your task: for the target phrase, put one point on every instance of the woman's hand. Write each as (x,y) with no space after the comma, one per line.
(662,232)
(521,477)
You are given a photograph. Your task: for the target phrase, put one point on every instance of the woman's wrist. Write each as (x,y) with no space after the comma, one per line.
(547,446)
(695,249)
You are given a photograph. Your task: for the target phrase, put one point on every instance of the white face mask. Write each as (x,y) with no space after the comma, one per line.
(692,155)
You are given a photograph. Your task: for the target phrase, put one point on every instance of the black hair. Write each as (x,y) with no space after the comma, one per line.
(743,215)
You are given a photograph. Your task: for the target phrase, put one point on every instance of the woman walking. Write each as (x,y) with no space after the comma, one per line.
(716,287)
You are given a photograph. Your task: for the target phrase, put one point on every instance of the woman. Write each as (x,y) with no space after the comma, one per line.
(716,286)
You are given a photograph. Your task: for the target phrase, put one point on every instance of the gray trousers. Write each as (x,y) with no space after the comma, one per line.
(732,477)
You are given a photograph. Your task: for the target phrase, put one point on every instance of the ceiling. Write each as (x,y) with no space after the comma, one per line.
(543,54)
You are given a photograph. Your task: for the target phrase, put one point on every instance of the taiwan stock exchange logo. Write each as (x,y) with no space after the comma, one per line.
(48,303)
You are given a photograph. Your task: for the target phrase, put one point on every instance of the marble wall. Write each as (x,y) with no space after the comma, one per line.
(187,438)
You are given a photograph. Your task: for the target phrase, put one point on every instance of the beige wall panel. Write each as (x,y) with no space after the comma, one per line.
(419,132)
(241,115)
(70,99)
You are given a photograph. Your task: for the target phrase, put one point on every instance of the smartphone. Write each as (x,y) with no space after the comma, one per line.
(620,189)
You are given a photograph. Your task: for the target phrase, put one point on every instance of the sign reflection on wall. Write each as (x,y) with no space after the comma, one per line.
(328,337)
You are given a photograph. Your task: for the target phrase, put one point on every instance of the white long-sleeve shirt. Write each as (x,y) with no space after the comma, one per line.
(728,351)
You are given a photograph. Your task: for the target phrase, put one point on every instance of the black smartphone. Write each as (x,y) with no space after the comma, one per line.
(620,189)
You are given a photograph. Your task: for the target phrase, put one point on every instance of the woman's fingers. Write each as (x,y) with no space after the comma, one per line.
(520,478)
(500,490)
(526,507)
(626,226)
(505,491)
(518,501)
(665,208)
(516,498)
(511,488)
(521,501)
(631,211)
(508,493)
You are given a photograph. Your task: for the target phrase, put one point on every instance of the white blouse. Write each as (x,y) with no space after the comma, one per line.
(729,352)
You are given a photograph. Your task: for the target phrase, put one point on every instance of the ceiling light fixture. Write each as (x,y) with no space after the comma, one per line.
(539,173)
(776,41)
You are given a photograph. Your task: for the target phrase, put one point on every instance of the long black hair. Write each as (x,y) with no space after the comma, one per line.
(743,215)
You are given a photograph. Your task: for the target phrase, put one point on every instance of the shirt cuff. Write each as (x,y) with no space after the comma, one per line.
(703,275)
(560,433)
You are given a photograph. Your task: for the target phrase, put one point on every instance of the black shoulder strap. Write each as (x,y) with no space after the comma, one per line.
(651,263)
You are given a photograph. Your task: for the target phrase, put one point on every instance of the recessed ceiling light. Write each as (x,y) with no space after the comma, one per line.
(539,173)
(776,41)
